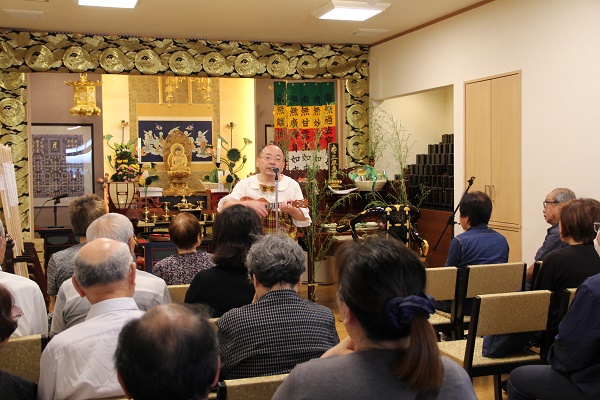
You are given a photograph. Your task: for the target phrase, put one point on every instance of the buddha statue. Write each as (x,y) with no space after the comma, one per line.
(177,156)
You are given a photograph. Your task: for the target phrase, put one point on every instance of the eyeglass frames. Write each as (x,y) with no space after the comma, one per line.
(16,313)
(545,203)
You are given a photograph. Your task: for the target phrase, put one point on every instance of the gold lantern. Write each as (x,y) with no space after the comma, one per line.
(84,96)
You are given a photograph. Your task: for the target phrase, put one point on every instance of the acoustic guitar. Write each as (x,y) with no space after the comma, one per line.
(273,206)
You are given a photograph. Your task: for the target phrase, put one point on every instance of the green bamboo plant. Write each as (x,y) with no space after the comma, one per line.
(318,242)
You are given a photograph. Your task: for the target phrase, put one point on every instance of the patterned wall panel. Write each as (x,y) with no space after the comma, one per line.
(13,132)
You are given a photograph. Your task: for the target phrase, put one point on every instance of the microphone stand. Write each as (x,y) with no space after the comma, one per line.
(55,209)
(451,217)
(276,201)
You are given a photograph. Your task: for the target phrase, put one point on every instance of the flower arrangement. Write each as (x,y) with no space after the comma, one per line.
(233,159)
(126,165)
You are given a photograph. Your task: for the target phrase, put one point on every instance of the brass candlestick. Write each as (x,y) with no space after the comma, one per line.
(166,217)
(146,213)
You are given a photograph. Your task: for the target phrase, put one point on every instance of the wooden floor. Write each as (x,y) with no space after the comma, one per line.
(325,295)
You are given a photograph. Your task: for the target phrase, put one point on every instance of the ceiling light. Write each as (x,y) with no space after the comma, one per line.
(349,10)
(109,3)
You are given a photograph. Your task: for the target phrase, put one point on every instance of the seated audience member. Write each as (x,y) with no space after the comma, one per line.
(227,286)
(479,244)
(564,268)
(82,212)
(78,362)
(391,351)
(574,359)
(278,330)
(179,269)
(551,213)
(169,353)
(71,308)
(12,387)
(27,296)
(570,266)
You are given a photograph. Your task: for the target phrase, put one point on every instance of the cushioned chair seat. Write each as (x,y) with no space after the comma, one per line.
(456,351)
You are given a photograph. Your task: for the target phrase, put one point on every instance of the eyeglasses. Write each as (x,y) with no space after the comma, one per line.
(596,226)
(16,313)
(545,203)
(271,158)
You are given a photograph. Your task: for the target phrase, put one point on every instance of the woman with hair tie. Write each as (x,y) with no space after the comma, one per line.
(391,351)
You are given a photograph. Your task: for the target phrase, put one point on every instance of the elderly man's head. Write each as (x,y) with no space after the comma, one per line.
(104,269)
(275,259)
(112,226)
(169,353)
(552,204)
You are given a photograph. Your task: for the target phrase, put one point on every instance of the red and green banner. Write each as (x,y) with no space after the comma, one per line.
(301,110)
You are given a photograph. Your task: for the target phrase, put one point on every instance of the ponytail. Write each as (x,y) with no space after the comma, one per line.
(420,364)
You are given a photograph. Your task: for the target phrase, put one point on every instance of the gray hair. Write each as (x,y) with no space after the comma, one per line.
(275,259)
(102,261)
(563,194)
(111,226)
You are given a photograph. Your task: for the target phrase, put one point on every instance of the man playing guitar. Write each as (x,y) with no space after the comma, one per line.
(258,192)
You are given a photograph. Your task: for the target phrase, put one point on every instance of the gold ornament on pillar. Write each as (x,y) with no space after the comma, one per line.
(84,96)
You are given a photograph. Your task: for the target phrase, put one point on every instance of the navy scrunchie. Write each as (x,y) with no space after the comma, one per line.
(399,311)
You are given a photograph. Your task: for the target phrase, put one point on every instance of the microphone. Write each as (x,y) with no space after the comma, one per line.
(471,180)
(58,197)
(276,170)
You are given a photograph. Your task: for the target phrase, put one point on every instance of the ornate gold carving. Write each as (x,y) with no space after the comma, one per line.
(84,96)
(181,63)
(114,61)
(214,64)
(49,51)
(246,65)
(77,59)
(278,66)
(7,55)
(148,62)
(308,67)
(357,87)
(357,116)
(12,80)
(177,156)
(39,58)
(337,66)
(12,112)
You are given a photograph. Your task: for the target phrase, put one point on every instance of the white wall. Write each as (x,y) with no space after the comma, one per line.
(554,43)
(426,117)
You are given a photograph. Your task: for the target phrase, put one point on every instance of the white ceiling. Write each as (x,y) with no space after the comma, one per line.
(287,21)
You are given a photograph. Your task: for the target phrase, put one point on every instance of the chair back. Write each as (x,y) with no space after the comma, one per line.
(259,388)
(494,278)
(503,313)
(441,282)
(177,293)
(21,357)
(537,266)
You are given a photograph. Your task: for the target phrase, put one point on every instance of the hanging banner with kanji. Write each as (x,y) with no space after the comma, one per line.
(302,112)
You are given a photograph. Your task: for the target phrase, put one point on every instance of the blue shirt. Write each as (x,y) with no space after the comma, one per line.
(576,349)
(478,245)
(551,242)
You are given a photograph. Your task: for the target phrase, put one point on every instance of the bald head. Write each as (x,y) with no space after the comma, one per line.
(111,226)
(171,352)
(101,262)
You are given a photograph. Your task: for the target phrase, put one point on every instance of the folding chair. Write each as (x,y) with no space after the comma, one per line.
(486,279)
(259,388)
(21,357)
(496,314)
(177,293)
(442,285)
